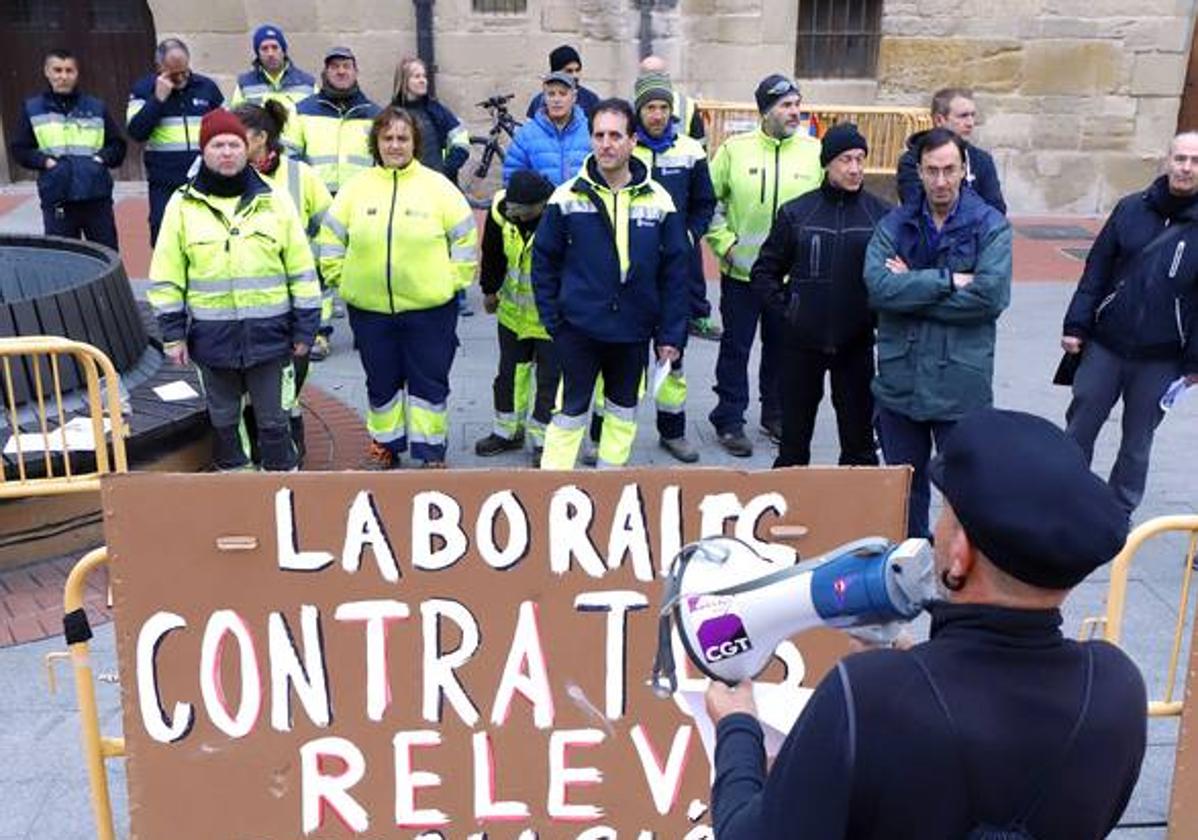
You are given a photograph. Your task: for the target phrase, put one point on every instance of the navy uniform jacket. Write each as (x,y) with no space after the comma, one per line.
(878,760)
(170,129)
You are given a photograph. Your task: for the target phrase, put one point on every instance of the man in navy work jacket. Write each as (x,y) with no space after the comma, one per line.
(954,109)
(609,274)
(938,275)
(164,112)
(1134,316)
(71,141)
(997,720)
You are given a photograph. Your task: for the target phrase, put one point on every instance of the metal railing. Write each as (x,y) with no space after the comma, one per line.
(1111,624)
(885,128)
(41,459)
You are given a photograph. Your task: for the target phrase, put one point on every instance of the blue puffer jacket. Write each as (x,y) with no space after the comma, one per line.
(612,264)
(1142,304)
(170,153)
(557,153)
(935,341)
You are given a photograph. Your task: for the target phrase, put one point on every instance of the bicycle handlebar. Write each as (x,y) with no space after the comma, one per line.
(496,101)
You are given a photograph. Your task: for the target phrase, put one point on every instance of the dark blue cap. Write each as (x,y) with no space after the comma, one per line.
(1022,490)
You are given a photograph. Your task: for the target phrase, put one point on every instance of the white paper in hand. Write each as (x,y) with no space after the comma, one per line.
(778,707)
(1175,393)
(660,371)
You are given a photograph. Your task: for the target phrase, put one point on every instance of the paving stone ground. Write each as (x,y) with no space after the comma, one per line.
(42,784)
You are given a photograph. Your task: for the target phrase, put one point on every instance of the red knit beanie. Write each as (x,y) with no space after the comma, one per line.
(220,121)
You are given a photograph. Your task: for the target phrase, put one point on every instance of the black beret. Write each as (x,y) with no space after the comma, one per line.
(1021,489)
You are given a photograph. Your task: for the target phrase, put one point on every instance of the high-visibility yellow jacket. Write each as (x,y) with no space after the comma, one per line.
(333,137)
(753,175)
(234,276)
(305,189)
(397,240)
(517,305)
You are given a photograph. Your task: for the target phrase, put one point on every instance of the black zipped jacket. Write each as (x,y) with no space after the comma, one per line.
(819,241)
(1138,295)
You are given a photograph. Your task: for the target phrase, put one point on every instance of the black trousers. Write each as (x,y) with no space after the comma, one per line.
(91,220)
(803,372)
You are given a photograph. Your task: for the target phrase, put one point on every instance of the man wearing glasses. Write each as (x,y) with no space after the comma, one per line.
(754,174)
(939,275)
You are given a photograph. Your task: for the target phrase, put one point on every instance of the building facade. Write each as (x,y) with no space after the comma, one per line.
(1078,98)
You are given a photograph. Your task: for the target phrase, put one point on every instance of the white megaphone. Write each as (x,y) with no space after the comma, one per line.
(732,607)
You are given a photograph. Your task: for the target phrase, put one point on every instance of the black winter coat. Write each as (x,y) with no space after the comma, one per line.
(819,240)
(1142,304)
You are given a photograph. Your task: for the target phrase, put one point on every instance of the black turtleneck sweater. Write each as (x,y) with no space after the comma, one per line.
(873,755)
(819,241)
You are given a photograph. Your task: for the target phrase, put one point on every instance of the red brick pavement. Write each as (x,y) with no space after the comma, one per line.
(31,597)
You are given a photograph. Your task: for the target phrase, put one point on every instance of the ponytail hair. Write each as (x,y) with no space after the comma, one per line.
(270,117)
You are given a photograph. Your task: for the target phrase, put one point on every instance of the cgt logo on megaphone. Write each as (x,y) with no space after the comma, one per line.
(723,637)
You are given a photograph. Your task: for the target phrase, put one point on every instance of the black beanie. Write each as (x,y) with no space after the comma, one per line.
(563,55)
(528,187)
(839,139)
(772,88)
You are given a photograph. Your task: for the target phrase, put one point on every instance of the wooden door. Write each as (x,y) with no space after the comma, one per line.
(1187,117)
(113,40)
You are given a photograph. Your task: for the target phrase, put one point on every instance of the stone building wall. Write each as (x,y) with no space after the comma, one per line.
(1079,97)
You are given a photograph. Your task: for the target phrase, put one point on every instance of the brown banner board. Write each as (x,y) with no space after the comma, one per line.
(454,654)
(1183,807)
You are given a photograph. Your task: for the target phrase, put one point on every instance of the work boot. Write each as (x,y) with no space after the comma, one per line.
(772,429)
(590,453)
(320,349)
(705,328)
(432,465)
(379,457)
(736,444)
(494,444)
(681,449)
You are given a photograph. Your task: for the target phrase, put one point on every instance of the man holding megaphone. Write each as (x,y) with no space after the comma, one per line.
(997,723)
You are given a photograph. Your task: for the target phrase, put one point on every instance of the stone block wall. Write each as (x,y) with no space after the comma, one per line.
(1078,97)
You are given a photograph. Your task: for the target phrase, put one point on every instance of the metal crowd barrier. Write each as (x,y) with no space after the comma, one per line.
(1111,624)
(886,128)
(41,462)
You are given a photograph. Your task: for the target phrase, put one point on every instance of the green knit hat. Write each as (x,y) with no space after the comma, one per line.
(653,87)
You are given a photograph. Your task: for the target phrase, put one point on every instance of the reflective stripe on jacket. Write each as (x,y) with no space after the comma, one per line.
(170,130)
(305,189)
(234,277)
(332,139)
(77,131)
(682,169)
(612,264)
(256,86)
(753,175)
(397,240)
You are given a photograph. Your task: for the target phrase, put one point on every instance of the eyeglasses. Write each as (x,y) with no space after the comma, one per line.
(934,174)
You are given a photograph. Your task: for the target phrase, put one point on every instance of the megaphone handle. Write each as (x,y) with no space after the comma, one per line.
(664,679)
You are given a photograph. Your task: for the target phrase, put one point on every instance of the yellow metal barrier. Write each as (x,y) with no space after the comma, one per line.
(102,401)
(97,748)
(886,128)
(1112,622)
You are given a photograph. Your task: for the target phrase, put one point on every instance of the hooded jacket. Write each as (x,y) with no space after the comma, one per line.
(981,175)
(1142,304)
(557,153)
(612,264)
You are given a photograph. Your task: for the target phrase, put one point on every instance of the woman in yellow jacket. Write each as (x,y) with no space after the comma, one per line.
(264,126)
(399,241)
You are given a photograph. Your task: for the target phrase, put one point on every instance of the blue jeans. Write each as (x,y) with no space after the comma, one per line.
(907,441)
(741,310)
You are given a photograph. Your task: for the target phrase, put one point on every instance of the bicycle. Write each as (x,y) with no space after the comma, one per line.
(476,180)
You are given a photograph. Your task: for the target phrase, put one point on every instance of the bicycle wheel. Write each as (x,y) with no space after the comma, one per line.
(482,174)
